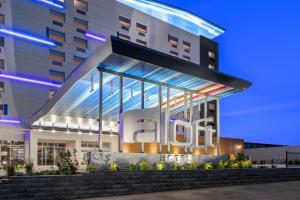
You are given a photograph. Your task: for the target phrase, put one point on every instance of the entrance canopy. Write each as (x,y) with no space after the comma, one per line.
(140,74)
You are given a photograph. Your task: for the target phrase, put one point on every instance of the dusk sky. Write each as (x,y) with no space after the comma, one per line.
(262,45)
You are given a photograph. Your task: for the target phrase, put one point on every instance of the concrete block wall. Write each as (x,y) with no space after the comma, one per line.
(101,184)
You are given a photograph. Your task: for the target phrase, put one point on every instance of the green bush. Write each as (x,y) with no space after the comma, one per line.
(208,166)
(66,165)
(47,173)
(232,165)
(174,166)
(114,167)
(132,167)
(160,166)
(191,166)
(11,170)
(297,162)
(246,164)
(144,165)
(91,168)
(29,168)
(220,165)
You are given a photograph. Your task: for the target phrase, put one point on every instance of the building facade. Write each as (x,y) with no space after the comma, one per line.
(44,44)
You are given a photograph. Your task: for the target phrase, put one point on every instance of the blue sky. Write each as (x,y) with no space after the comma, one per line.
(262,45)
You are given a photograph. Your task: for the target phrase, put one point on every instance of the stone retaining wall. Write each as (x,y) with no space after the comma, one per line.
(99,184)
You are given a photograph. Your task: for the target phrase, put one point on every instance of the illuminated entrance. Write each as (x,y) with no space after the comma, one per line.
(147,101)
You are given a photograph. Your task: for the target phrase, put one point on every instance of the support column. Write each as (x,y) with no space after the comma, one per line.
(142,107)
(100,108)
(218,126)
(160,104)
(191,118)
(120,113)
(167,119)
(205,125)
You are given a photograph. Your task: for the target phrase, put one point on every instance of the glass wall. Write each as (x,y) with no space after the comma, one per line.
(12,152)
(49,153)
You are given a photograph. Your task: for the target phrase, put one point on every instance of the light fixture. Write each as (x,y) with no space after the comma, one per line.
(51,3)
(10,121)
(28,80)
(40,125)
(92,84)
(27,37)
(96,37)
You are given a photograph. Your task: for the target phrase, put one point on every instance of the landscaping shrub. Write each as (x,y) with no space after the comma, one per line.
(66,165)
(114,167)
(29,168)
(291,162)
(232,165)
(191,166)
(246,164)
(91,168)
(160,166)
(208,166)
(297,162)
(132,167)
(174,166)
(144,165)
(11,170)
(220,165)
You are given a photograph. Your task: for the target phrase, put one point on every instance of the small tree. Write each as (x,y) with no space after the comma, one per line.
(66,165)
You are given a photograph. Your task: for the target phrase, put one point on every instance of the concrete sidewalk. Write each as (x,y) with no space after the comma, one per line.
(273,191)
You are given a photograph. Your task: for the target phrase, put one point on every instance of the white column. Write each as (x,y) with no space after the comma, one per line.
(218,126)
(167,119)
(160,104)
(120,113)
(205,125)
(143,107)
(100,108)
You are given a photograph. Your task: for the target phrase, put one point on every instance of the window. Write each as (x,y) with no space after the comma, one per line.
(125,23)
(141,28)
(3,109)
(57,36)
(1,41)
(211,108)
(212,55)
(82,6)
(80,25)
(2,19)
(11,152)
(123,36)
(141,42)
(78,60)
(51,94)
(106,146)
(87,144)
(186,46)
(186,57)
(81,44)
(48,153)
(57,75)
(1,86)
(1,64)
(211,66)
(57,57)
(173,53)
(57,17)
(173,41)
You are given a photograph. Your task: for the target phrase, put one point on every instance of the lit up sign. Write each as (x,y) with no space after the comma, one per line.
(145,126)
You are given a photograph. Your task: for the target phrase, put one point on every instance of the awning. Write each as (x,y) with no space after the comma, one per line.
(77,102)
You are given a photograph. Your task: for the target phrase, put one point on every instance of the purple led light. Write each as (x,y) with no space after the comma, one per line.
(10,121)
(27,37)
(50,3)
(23,79)
(96,37)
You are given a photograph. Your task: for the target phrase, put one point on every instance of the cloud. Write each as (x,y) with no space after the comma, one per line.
(266,108)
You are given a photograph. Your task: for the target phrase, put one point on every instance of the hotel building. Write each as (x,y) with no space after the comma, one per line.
(67,65)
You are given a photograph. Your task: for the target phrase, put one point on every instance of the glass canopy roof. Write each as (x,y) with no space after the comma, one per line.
(177,17)
(77,102)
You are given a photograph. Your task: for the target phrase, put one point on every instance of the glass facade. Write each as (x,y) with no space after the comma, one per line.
(48,153)
(12,152)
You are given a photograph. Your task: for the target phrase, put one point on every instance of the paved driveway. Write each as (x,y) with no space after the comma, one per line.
(273,191)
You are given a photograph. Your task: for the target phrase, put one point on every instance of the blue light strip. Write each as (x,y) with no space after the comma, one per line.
(51,3)
(29,80)
(96,37)
(26,37)
(10,121)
